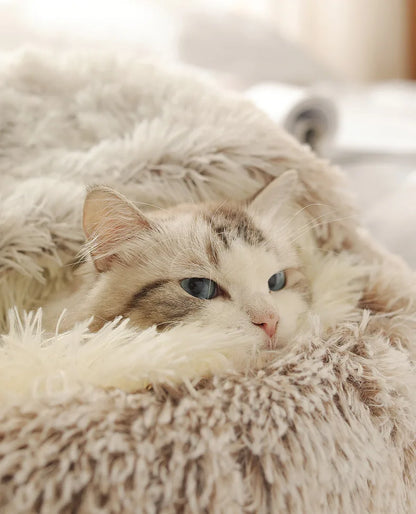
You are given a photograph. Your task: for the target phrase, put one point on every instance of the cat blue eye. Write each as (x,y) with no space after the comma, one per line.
(203,288)
(277,281)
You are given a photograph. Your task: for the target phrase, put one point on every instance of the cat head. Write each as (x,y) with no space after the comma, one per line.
(227,265)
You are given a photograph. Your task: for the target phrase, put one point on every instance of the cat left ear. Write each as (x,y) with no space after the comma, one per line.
(281,190)
(109,219)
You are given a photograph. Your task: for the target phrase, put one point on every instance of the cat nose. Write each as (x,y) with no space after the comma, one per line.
(268,323)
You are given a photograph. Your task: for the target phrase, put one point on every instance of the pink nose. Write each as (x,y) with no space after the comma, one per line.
(268,323)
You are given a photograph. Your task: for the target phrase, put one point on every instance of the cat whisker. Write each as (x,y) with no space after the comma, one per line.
(313,224)
(152,206)
(300,211)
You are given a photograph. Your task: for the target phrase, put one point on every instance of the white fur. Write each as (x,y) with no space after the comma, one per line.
(246,271)
(33,363)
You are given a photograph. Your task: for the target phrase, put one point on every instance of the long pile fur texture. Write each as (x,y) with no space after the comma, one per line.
(329,426)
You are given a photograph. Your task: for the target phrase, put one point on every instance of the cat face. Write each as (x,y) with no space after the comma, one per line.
(226,266)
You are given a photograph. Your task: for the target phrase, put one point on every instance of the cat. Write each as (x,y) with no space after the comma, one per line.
(228,265)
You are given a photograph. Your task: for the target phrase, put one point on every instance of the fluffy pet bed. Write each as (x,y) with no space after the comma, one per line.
(329,426)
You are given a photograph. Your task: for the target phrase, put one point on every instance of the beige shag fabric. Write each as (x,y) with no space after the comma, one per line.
(329,427)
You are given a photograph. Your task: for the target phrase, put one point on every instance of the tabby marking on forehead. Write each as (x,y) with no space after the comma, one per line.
(229,223)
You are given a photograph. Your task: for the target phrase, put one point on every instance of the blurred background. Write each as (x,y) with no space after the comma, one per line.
(338,74)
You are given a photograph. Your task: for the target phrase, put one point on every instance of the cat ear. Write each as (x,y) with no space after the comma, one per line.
(281,190)
(109,219)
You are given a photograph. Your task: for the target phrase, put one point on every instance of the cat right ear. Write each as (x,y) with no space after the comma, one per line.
(109,220)
(281,190)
